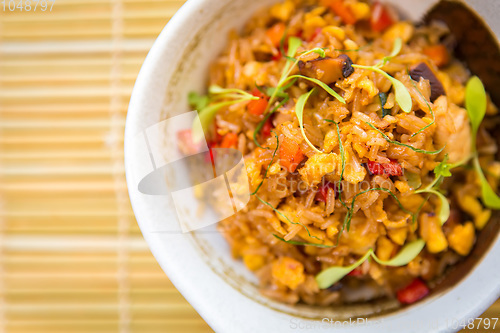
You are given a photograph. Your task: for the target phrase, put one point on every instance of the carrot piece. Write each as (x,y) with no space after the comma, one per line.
(413,292)
(276,32)
(380,19)
(437,53)
(230,140)
(290,154)
(259,106)
(341,10)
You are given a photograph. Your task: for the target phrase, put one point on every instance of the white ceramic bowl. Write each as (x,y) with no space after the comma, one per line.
(199,263)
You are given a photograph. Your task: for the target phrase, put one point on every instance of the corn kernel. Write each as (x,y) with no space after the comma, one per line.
(402,186)
(398,236)
(360,10)
(470,204)
(384,248)
(481,219)
(331,231)
(334,31)
(283,11)
(462,238)
(403,30)
(311,23)
(432,232)
(253,262)
(349,44)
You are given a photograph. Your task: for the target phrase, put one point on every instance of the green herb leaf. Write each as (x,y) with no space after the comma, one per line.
(303,243)
(418,150)
(490,198)
(341,148)
(403,97)
(197,101)
(332,275)
(348,217)
(414,180)
(398,43)
(280,91)
(444,210)
(383,101)
(286,217)
(319,83)
(299,111)
(293,45)
(270,163)
(443,168)
(409,252)
(206,117)
(428,106)
(475,103)
(229,92)
(317,50)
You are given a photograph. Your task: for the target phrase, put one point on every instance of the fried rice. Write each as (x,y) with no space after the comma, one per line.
(305,190)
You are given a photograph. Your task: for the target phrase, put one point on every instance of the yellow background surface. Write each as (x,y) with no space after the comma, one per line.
(72,258)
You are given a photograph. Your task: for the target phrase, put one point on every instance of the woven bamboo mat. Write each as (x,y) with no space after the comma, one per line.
(72,258)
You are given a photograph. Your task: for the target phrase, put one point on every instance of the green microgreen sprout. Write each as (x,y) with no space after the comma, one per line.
(476,103)
(332,275)
(402,94)
(207,110)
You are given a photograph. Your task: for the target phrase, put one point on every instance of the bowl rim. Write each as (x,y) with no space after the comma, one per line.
(482,280)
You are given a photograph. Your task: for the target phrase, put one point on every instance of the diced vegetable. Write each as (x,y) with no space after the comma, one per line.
(229,140)
(341,10)
(356,272)
(437,53)
(423,70)
(288,271)
(381,18)
(327,70)
(290,154)
(266,129)
(275,33)
(391,169)
(415,291)
(259,106)
(317,32)
(383,101)
(187,145)
(323,191)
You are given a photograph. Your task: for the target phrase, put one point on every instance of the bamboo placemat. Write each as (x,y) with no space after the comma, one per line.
(72,258)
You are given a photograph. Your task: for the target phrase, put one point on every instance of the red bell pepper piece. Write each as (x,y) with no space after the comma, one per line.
(413,292)
(381,18)
(341,10)
(323,191)
(391,169)
(266,129)
(356,272)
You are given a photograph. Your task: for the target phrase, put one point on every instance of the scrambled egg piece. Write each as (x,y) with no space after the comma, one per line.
(318,166)
(289,272)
